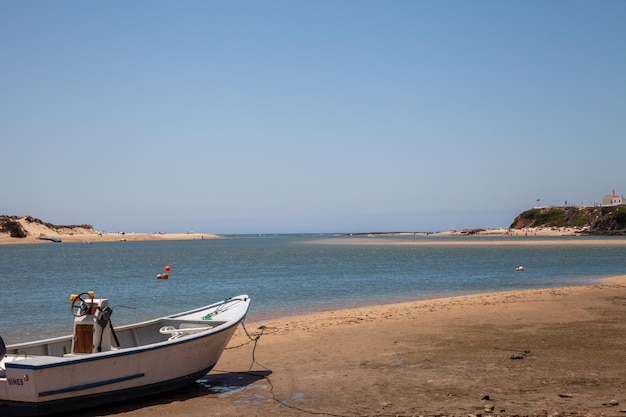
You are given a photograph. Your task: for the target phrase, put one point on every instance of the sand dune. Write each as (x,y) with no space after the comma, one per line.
(36,231)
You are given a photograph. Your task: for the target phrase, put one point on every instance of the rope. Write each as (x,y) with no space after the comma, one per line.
(255,340)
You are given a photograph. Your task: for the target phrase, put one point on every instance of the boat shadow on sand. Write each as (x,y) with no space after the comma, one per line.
(210,384)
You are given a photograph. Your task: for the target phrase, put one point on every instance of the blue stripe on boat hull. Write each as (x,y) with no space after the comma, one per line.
(24,409)
(92,385)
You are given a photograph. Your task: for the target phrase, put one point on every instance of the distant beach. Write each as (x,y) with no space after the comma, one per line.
(41,233)
(620,241)
(107,237)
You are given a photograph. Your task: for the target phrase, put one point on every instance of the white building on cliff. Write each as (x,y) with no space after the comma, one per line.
(613,199)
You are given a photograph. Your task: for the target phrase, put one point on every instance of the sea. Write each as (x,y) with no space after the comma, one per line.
(284,275)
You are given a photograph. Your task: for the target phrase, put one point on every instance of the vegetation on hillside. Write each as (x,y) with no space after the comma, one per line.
(596,220)
(11,226)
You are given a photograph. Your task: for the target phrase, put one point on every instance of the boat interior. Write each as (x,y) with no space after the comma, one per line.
(94,333)
(128,337)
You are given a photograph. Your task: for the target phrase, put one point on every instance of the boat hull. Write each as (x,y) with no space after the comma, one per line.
(42,408)
(41,384)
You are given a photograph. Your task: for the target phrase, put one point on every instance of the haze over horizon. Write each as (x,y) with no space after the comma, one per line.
(309,117)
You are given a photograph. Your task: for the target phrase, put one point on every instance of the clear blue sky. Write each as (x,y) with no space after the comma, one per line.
(308,116)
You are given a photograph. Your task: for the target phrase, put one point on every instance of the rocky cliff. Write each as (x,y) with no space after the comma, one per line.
(593,220)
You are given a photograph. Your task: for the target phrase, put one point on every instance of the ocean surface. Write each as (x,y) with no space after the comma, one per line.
(284,274)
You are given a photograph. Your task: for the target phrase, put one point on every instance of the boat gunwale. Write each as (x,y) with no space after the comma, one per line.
(58,361)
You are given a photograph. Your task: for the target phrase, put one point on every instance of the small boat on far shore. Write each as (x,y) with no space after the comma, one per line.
(51,239)
(99,364)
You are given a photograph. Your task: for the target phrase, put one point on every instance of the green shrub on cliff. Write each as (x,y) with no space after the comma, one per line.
(541,217)
(619,215)
(9,225)
(581,221)
(597,220)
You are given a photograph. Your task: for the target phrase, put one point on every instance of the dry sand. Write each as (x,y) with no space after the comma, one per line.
(532,353)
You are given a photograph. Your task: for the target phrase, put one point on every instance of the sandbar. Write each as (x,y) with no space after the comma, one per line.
(477,241)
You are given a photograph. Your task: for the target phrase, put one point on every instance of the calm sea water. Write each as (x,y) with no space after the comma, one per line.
(284,275)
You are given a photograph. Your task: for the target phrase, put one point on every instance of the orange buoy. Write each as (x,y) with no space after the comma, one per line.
(167,268)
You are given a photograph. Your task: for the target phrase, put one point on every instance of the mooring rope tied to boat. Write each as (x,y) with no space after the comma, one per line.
(225,305)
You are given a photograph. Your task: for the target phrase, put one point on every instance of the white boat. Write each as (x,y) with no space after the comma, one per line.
(99,364)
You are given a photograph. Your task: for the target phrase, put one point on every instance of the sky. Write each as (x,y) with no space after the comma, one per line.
(293,116)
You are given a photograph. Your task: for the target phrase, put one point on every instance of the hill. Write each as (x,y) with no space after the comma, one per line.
(605,220)
(21,227)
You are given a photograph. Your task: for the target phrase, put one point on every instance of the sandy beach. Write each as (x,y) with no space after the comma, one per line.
(528,353)
(474,241)
(107,237)
(39,232)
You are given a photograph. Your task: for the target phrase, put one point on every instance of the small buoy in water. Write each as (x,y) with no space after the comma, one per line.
(519,268)
(162,276)
(167,268)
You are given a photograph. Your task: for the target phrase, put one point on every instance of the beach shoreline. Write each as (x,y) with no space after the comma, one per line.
(539,352)
(40,233)
(49,238)
(476,241)
(44,235)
